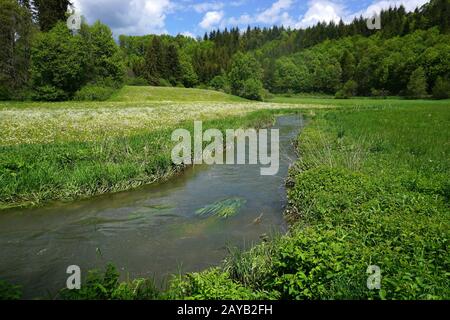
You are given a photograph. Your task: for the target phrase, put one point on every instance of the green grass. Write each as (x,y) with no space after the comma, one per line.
(158,94)
(371,188)
(357,102)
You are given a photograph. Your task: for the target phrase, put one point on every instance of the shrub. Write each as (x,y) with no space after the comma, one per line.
(106,286)
(382,93)
(164,83)
(9,291)
(221,83)
(49,93)
(441,89)
(139,81)
(212,284)
(348,90)
(94,93)
(5,93)
(252,89)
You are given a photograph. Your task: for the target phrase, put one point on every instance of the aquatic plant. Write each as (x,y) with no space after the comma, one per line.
(223,209)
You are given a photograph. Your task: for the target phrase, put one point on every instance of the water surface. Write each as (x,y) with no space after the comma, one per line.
(150,232)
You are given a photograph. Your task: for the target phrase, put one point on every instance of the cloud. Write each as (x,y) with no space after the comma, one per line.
(327,10)
(321,11)
(208,6)
(188,34)
(135,17)
(276,13)
(377,6)
(211,19)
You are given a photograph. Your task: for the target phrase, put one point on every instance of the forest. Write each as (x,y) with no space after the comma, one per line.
(42,60)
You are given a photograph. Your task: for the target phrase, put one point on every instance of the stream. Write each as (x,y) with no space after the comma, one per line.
(153,231)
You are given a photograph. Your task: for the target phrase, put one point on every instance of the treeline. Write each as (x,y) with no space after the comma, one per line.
(342,59)
(41,59)
(410,66)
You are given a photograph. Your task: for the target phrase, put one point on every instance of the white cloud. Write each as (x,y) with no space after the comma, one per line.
(208,6)
(276,13)
(211,19)
(377,6)
(188,34)
(135,17)
(321,11)
(327,10)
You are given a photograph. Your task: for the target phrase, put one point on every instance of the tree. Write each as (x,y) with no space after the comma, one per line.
(441,89)
(348,65)
(417,86)
(172,73)
(154,62)
(287,76)
(15,41)
(58,64)
(105,62)
(49,12)
(245,67)
(188,75)
(62,63)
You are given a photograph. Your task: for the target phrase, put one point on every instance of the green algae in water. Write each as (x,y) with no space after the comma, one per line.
(223,209)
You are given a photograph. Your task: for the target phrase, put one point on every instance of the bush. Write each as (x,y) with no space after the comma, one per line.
(164,83)
(49,93)
(348,90)
(253,90)
(381,93)
(106,286)
(220,83)
(212,284)
(9,292)
(94,93)
(138,82)
(441,89)
(5,93)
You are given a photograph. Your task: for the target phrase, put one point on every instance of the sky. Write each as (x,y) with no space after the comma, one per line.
(194,18)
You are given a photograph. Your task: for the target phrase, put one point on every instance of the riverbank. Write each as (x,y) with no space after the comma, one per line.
(370,189)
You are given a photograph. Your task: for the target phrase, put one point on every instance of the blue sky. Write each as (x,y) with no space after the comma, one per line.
(189,17)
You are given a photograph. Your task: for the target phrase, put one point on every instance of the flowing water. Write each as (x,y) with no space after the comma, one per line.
(153,232)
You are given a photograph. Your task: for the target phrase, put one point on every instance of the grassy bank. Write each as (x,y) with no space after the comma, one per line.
(371,188)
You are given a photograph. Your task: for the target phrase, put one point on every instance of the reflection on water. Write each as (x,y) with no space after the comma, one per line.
(150,232)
